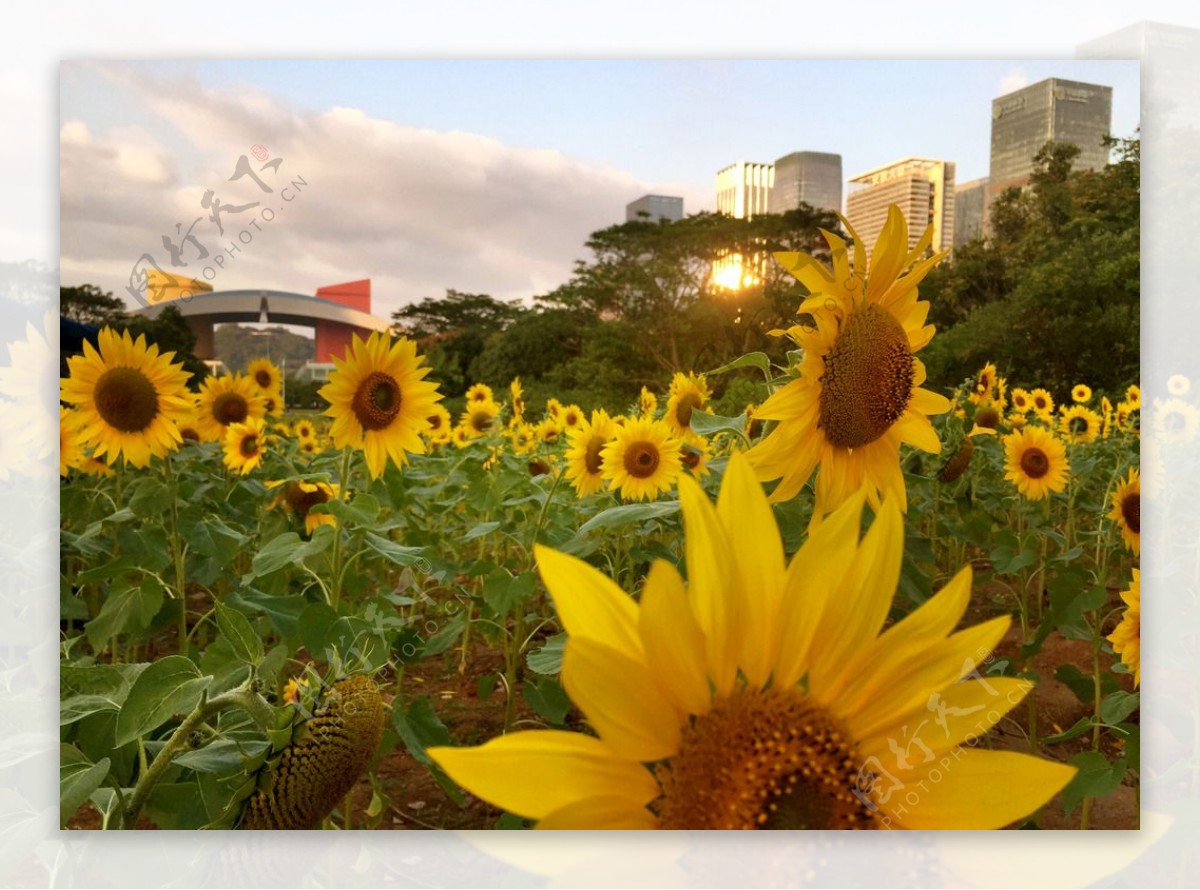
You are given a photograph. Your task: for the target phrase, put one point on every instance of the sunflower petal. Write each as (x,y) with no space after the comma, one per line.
(599,814)
(589,604)
(673,640)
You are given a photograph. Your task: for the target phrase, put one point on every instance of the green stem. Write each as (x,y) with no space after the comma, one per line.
(177,557)
(243,697)
(335,581)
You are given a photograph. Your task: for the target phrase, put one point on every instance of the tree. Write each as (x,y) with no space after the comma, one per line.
(89,304)
(171,333)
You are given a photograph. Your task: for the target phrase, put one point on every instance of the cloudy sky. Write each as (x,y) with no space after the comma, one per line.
(477,176)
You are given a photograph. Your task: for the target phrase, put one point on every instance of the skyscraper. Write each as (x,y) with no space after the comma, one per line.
(744,188)
(814,177)
(654,208)
(923,188)
(969,200)
(1051,110)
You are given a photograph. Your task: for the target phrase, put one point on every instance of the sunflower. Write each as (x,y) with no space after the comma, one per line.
(1124,415)
(460,437)
(1126,638)
(695,453)
(244,445)
(642,460)
(128,397)
(1036,462)
(479,417)
(985,382)
(518,399)
(1081,393)
(226,400)
(379,400)
(548,431)
(265,375)
(688,393)
(70,452)
(95,467)
(988,417)
(299,498)
(1127,510)
(1043,404)
(571,418)
(480,392)
(523,437)
(310,446)
(1175,420)
(647,403)
(764,695)
(439,425)
(585,468)
(1178,385)
(1133,396)
(1021,401)
(1079,424)
(858,397)
(305,429)
(553,407)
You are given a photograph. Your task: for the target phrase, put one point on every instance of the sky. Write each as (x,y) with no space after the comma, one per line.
(478,176)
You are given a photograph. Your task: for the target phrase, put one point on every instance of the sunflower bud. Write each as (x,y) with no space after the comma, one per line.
(958,462)
(325,758)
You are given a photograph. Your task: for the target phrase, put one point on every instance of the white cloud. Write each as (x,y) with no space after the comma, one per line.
(415,210)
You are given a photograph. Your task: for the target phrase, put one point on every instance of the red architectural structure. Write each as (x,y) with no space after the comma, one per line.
(333,338)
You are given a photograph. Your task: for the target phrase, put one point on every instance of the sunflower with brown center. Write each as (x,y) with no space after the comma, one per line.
(1021,401)
(440,425)
(1126,510)
(585,467)
(1081,393)
(1079,424)
(299,497)
(985,384)
(858,396)
(224,401)
(1126,637)
(1036,462)
(480,392)
(479,417)
(688,393)
(380,401)
(245,444)
(128,398)
(642,460)
(763,694)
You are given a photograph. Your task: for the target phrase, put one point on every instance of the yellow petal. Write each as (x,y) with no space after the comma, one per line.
(621,699)
(673,640)
(887,257)
(599,813)
(536,772)
(758,558)
(589,604)
(709,584)
(968,789)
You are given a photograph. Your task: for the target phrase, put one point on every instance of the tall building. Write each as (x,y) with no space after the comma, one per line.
(744,189)
(814,177)
(969,200)
(654,208)
(923,188)
(1051,110)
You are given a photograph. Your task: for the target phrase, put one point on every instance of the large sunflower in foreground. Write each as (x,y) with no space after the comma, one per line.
(858,396)
(379,400)
(1036,462)
(764,695)
(1126,510)
(128,398)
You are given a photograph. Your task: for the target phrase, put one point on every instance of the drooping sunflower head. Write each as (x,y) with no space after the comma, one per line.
(128,397)
(380,401)
(265,375)
(642,460)
(1126,510)
(759,695)
(1036,462)
(299,497)
(1079,424)
(517,395)
(647,403)
(226,400)
(688,393)
(244,445)
(958,462)
(585,466)
(1081,393)
(1126,638)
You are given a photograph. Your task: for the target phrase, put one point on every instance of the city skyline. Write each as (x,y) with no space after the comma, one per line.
(476,209)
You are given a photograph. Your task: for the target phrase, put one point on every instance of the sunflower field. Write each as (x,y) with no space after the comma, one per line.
(868,600)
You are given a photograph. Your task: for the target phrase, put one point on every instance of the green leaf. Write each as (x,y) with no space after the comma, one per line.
(393,552)
(223,756)
(127,610)
(1119,705)
(1082,725)
(213,538)
(419,727)
(85,690)
(283,611)
(504,593)
(486,685)
(287,549)
(547,658)
(478,531)
(238,631)
(706,424)
(361,512)
(1096,778)
(446,636)
(548,699)
(316,628)
(78,777)
(150,497)
(757,360)
(169,686)
(627,514)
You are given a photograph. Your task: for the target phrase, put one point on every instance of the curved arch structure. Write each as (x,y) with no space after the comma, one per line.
(336,313)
